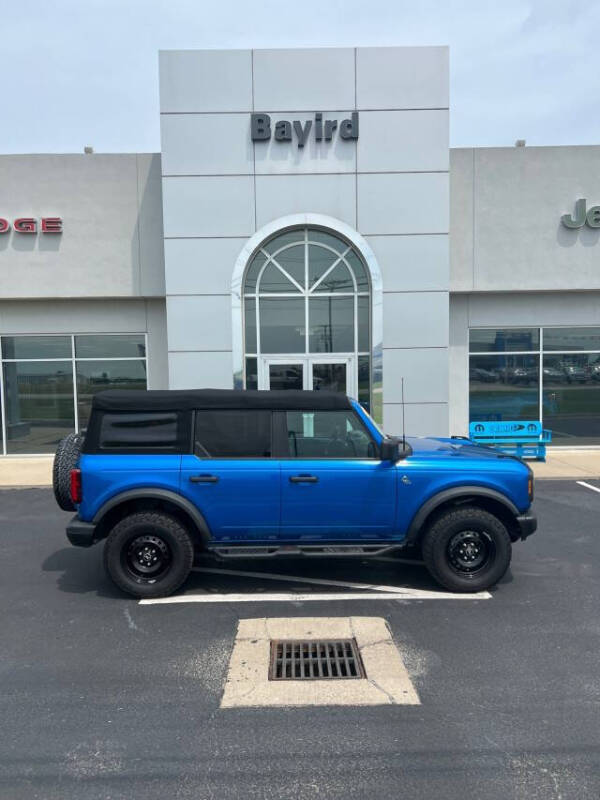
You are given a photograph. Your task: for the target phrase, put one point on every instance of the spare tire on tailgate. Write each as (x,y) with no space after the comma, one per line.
(65,459)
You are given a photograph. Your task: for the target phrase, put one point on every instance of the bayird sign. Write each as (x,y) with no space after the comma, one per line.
(285,130)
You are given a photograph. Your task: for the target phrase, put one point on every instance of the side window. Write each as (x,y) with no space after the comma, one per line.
(139,432)
(328,434)
(233,434)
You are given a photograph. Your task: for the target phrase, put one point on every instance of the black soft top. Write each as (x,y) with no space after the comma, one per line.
(185,400)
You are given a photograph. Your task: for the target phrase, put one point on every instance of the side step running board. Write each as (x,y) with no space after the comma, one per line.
(314,550)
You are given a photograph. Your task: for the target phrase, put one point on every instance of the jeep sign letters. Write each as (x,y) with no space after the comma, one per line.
(580,217)
(261,129)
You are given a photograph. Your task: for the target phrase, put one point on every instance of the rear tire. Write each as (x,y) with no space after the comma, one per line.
(148,554)
(65,459)
(467,549)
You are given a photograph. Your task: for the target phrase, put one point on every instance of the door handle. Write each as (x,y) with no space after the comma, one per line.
(303,479)
(203,479)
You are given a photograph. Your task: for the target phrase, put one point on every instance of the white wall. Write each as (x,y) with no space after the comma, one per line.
(111,245)
(391,186)
(505,210)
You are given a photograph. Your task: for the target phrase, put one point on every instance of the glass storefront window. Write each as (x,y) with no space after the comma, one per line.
(484,340)
(273,281)
(338,279)
(251,373)
(364,382)
(319,261)
(41,404)
(282,325)
(292,261)
(571,398)
(309,278)
(250,324)
(99,376)
(110,346)
(38,402)
(560,386)
(571,338)
(504,387)
(253,271)
(331,325)
(36,347)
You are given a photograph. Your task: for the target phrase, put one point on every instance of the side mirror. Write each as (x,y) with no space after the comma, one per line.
(390,449)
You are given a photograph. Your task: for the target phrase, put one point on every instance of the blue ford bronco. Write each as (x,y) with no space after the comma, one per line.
(162,475)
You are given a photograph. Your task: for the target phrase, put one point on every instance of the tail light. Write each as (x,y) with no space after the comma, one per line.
(530,488)
(76,485)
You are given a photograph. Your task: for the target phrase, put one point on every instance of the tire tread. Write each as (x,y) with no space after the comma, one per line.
(65,459)
(173,579)
(437,530)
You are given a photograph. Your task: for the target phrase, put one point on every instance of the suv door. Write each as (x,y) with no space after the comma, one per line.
(333,484)
(231,476)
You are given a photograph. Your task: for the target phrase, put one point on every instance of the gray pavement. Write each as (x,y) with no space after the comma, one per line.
(103,698)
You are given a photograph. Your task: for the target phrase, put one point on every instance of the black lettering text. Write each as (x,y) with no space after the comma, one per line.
(349,127)
(330,126)
(283,131)
(318,126)
(302,133)
(260,127)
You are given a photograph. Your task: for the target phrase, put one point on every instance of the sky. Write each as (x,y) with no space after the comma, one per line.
(86,73)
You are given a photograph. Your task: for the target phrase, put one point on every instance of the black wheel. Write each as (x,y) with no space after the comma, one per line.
(467,549)
(65,459)
(148,554)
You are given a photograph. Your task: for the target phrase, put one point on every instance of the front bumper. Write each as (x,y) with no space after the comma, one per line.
(527,525)
(80,533)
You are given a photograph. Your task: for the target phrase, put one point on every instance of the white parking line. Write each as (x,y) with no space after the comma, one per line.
(296,597)
(274,576)
(588,486)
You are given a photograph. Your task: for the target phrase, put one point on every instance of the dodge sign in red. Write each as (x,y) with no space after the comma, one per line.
(30,225)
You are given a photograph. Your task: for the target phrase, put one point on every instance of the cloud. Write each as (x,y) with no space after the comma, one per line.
(86,73)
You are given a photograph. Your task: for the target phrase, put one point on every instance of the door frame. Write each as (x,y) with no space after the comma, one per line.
(307,363)
(348,362)
(265,361)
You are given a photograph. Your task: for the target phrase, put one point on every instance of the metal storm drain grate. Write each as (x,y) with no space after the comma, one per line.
(293,660)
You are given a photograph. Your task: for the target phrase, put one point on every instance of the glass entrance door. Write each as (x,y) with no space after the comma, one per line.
(279,374)
(332,375)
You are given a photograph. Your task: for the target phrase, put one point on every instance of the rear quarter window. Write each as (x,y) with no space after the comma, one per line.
(152,432)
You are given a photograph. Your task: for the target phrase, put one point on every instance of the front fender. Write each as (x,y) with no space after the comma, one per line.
(455,493)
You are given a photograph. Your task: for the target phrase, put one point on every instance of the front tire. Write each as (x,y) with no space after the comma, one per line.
(467,549)
(148,554)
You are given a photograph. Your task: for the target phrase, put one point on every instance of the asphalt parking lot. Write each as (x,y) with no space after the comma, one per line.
(101,697)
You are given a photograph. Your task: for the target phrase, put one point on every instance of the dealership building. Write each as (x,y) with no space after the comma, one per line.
(305,225)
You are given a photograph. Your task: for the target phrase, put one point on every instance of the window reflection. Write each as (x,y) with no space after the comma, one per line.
(503,387)
(483,340)
(331,324)
(282,325)
(99,376)
(507,386)
(571,397)
(38,402)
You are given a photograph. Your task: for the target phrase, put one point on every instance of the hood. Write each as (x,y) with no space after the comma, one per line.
(431,447)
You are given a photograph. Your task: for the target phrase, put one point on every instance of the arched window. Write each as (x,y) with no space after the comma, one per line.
(306,312)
